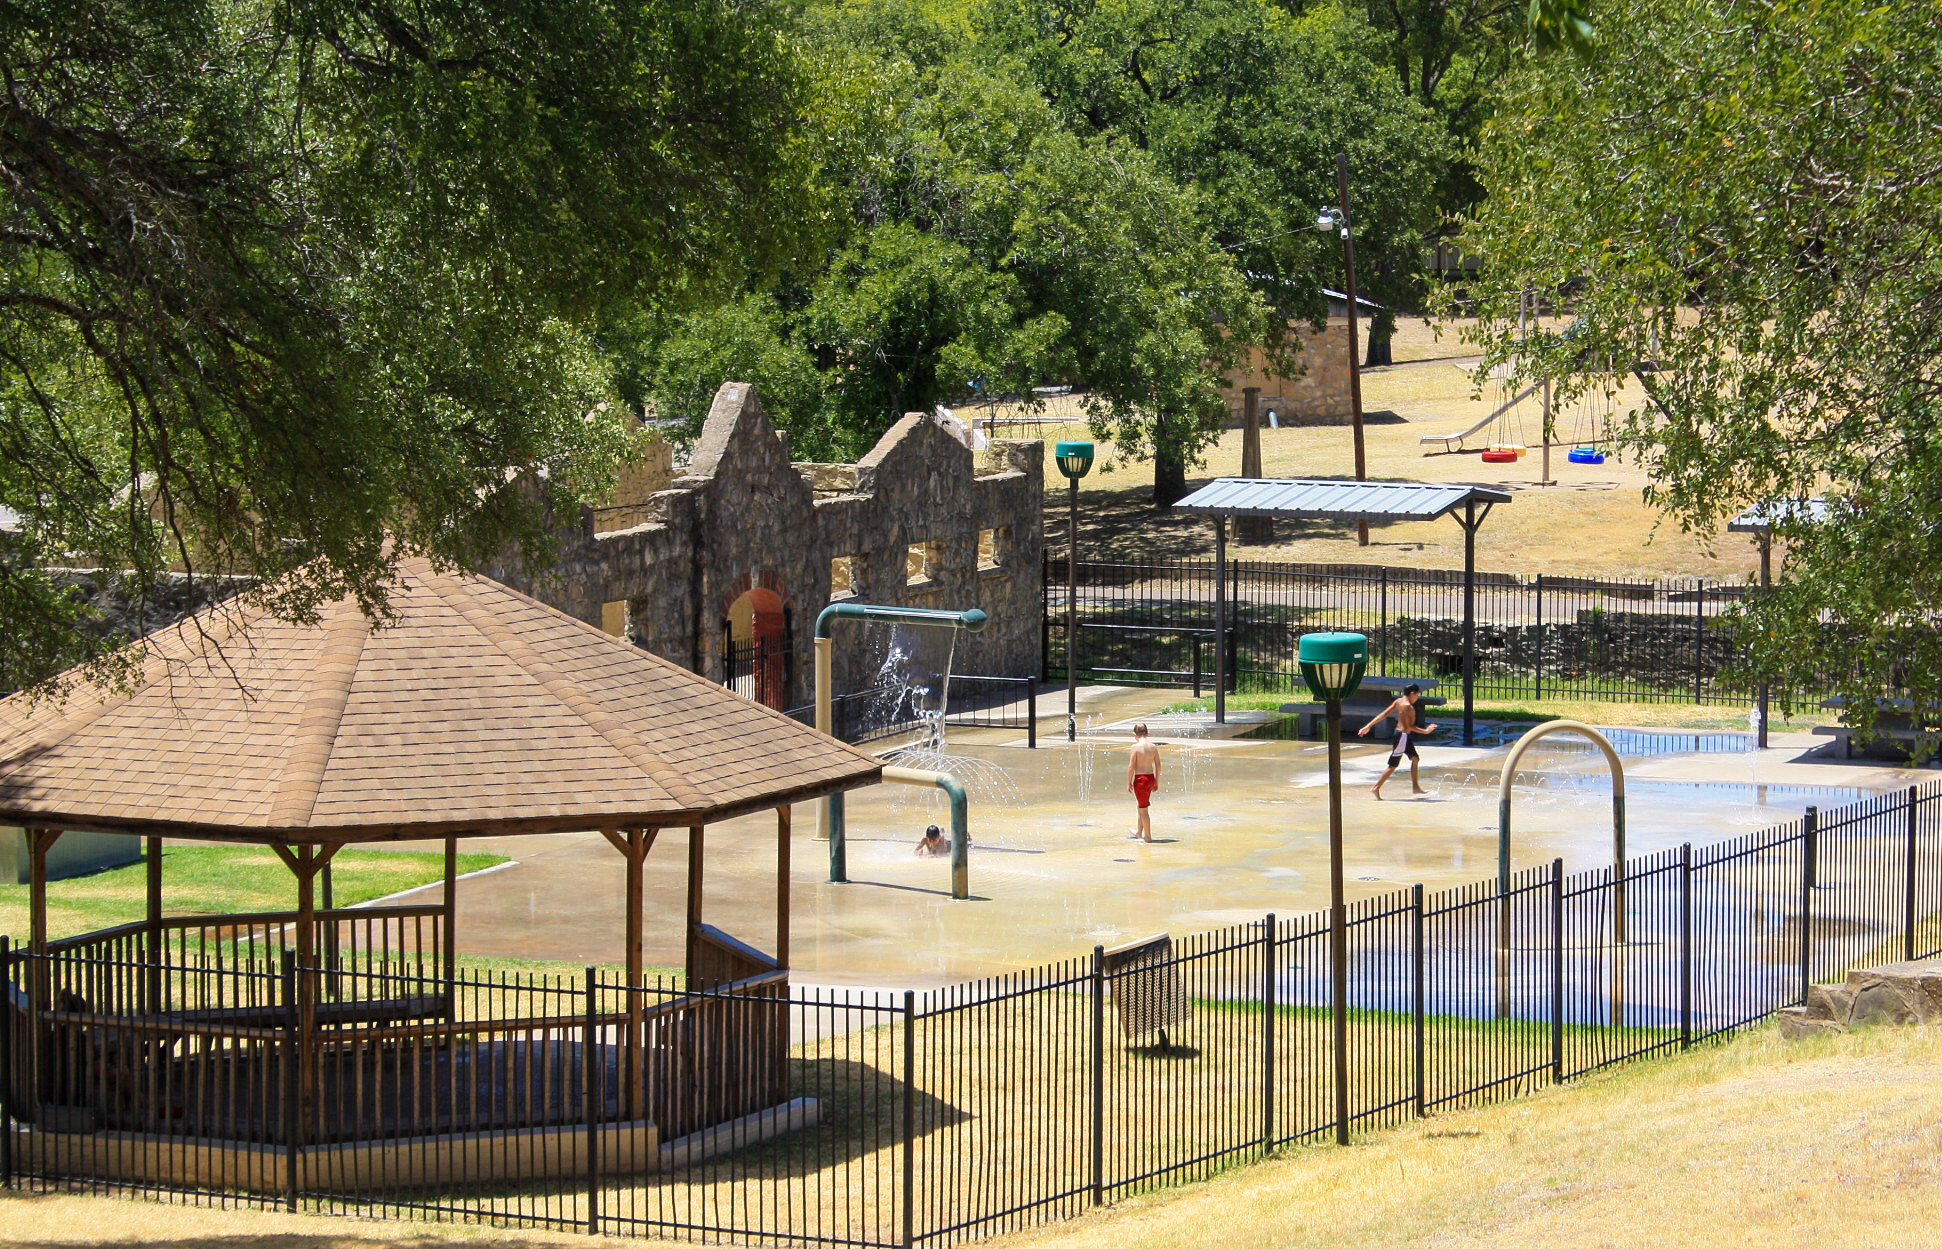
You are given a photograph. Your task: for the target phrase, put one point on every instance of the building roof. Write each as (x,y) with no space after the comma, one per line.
(1764,516)
(1323,499)
(473,710)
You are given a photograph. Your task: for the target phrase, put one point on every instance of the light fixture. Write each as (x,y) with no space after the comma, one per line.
(1075,459)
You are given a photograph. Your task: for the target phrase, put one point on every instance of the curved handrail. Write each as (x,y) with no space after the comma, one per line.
(960,820)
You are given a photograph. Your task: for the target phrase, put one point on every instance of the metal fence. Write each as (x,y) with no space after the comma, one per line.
(1608,639)
(898,1118)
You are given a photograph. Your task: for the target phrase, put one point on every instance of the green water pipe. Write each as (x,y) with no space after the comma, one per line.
(960,820)
(970,621)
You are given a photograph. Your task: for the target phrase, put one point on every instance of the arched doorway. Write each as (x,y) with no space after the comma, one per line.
(755,647)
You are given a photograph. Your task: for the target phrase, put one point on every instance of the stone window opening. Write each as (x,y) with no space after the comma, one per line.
(846,576)
(923,561)
(994,548)
(620,619)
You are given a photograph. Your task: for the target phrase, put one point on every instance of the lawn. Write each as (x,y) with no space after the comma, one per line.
(221,880)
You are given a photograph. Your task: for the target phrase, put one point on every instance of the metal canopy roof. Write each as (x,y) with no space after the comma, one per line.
(1334,500)
(1764,516)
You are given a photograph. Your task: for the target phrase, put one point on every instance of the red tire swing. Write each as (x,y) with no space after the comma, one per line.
(1500,457)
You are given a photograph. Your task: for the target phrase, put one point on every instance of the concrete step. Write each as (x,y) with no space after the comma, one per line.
(1795,1023)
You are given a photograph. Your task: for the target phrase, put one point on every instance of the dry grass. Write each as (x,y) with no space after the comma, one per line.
(1827,1143)
(1830,1143)
(1593,521)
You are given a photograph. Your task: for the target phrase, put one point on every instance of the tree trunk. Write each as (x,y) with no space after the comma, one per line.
(1169,477)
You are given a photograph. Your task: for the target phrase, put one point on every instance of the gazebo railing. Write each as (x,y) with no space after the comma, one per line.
(401,1056)
(188,963)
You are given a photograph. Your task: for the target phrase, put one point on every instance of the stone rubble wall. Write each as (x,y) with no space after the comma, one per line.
(1317,394)
(1653,649)
(742,516)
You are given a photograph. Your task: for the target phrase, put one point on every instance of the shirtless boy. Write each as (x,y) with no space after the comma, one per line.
(1407,726)
(1142,778)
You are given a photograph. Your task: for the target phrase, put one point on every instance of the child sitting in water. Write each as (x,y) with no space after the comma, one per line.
(934,843)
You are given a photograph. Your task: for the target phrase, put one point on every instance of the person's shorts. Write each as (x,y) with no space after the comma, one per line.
(1406,748)
(1143,787)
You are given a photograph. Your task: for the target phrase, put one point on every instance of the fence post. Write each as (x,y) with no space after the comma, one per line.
(292,1111)
(1267,1035)
(910,1118)
(1537,645)
(1416,937)
(6,1065)
(1808,837)
(1557,971)
(1908,893)
(1196,642)
(1686,946)
(1031,715)
(591,1065)
(1699,639)
(1383,662)
(1098,1075)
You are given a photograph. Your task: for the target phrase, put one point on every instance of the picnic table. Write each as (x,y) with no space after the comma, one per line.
(1369,699)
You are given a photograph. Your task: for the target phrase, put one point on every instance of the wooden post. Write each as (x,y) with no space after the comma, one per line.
(39,981)
(782,823)
(633,846)
(156,955)
(695,843)
(305,863)
(1253,530)
(448,954)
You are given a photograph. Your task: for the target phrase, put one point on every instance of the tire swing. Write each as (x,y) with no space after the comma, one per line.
(1500,455)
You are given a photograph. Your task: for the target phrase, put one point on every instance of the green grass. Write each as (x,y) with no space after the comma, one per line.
(220,880)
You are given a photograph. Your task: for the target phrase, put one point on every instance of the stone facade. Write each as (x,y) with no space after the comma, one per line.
(1317,395)
(916,523)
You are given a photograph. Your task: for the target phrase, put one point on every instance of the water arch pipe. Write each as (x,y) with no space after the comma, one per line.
(970,621)
(1509,774)
(960,820)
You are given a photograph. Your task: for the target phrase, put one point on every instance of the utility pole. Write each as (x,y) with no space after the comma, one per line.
(1355,357)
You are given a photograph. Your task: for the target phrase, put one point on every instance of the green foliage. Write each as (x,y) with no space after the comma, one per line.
(1743,196)
(297,290)
(1108,196)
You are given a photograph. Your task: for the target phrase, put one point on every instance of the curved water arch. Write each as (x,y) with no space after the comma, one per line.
(1509,774)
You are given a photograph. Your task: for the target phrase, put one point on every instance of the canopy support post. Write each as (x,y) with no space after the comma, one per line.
(1220,620)
(306,862)
(39,980)
(448,945)
(633,844)
(783,819)
(1471,520)
(156,954)
(1766,583)
(695,845)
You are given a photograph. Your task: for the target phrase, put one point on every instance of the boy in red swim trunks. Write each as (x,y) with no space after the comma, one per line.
(1142,778)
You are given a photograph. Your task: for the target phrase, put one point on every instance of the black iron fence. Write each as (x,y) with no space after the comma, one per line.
(1608,639)
(860,1117)
(971,702)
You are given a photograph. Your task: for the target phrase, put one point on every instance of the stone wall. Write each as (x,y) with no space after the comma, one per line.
(1319,392)
(743,517)
(631,502)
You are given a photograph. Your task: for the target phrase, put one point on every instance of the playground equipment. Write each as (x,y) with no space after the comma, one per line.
(960,820)
(970,621)
(1585,455)
(1504,780)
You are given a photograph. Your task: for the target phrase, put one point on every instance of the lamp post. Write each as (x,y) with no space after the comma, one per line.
(1332,664)
(1075,461)
(1336,220)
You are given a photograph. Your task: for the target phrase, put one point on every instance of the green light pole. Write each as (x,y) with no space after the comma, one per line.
(1075,461)
(1332,664)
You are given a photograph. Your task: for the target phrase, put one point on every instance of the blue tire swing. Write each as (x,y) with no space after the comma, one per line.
(1585,455)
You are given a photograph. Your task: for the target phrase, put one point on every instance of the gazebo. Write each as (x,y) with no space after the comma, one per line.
(176,1048)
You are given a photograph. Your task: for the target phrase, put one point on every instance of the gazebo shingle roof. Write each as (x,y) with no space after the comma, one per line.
(474,709)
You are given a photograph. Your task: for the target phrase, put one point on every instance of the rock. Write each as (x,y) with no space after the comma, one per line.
(1894,993)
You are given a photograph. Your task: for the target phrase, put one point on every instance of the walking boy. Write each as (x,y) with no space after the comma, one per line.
(1404,709)
(1142,778)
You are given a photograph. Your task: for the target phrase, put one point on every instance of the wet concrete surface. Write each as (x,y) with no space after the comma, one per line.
(1241,829)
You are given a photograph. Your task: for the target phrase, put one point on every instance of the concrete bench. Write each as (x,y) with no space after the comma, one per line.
(1845,736)
(1310,717)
